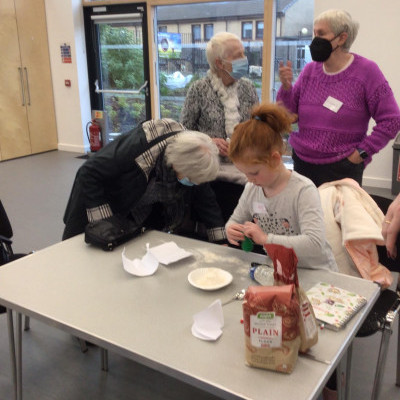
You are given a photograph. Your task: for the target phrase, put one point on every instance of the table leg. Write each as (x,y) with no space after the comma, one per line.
(27,325)
(343,375)
(19,356)
(398,353)
(380,366)
(11,340)
(104,359)
(347,383)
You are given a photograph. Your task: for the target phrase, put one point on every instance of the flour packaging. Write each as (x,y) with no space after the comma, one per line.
(285,272)
(271,326)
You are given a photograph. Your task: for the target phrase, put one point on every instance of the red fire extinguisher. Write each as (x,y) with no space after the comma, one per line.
(94,135)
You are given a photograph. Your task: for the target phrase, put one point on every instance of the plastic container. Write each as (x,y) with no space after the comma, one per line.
(396,166)
(262,274)
(247,244)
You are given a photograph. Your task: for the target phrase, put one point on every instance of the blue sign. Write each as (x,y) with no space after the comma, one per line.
(169,45)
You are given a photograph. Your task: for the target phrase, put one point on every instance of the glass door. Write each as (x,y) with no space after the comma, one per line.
(116,41)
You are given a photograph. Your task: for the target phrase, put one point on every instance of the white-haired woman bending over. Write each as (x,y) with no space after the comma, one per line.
(154,175)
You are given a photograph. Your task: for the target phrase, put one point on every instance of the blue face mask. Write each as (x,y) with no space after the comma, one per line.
(240,68)
(185,181)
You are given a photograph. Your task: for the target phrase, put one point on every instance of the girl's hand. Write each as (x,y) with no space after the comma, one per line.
(234,233)
(255,233)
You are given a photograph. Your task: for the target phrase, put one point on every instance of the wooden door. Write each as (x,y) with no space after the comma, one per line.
(14,132)
(32,30)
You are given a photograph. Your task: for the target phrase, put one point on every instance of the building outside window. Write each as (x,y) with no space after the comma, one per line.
(247,30)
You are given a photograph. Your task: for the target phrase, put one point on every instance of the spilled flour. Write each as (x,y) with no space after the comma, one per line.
(205,257)
(209,257)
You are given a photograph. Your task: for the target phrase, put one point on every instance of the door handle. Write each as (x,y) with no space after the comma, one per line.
(21,78)
(27,86)
(97,90)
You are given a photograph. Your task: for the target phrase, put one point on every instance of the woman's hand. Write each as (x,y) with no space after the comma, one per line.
(222,145)
(255,233)
(355,157)
(286,74)
(391,227)
(234,233)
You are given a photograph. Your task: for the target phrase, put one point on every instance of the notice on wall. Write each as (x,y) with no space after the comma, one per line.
(66,54)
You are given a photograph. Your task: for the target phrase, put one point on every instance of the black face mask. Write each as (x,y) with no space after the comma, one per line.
(321,48)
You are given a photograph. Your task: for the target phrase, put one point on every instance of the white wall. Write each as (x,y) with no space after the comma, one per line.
(377,41)
(72,104)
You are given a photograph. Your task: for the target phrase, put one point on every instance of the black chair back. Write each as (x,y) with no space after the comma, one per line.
(5,226)
(6,233)
(390,263)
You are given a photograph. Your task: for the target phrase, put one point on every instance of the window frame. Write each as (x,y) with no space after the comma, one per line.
(244,23)
(192,27)
(258,36)
(206,36)
(300,57)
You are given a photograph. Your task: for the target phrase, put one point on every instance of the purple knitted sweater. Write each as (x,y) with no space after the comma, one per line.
(325,136)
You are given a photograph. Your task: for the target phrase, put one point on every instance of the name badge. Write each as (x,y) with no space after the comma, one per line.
(333,104)
(259,208)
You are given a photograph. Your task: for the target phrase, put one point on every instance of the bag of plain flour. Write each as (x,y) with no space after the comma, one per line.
(285,272)
(271,327)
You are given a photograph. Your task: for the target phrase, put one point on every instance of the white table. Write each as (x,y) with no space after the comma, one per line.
(86,292)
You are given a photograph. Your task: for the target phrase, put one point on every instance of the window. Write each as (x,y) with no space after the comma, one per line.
(208,31)
(259,29)
(247,30)
(292,37)
(193,24)
(162,28)
(196,33)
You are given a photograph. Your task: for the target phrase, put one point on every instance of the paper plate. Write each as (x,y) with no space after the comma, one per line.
(168,253)
(209,278)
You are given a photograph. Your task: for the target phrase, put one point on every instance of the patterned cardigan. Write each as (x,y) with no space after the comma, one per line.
(204,112)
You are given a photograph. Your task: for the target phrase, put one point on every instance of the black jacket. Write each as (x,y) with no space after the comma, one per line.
(113,180)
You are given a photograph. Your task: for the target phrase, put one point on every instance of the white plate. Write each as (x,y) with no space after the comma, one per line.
(209,278)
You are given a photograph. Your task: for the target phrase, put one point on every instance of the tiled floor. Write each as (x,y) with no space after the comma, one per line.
(34,191)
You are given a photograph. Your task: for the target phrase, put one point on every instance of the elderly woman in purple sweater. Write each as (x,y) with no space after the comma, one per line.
(335,97)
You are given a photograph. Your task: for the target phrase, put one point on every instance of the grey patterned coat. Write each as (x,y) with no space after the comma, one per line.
(204,112)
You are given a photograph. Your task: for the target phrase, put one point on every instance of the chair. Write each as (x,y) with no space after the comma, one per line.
(383,314)
(6,251)
(7,255)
